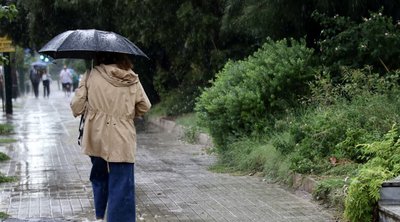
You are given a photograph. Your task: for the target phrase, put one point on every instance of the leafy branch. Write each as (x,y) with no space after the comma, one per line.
(8,12)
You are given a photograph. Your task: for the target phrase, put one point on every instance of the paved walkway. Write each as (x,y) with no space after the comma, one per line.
(172,180)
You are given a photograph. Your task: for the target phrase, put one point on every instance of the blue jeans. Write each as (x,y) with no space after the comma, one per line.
(114,187)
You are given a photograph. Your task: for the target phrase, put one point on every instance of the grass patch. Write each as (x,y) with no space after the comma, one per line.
(191,129)
(3,215)
(7,140)
(187,120)
(251,156)
(6,128)
(3,156)
(6,179)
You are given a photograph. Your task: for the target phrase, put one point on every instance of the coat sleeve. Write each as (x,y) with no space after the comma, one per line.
(142,102)
(78,102)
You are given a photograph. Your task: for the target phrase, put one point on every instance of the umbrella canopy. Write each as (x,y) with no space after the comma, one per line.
(85,43)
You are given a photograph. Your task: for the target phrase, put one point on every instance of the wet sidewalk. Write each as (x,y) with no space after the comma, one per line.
(172,180)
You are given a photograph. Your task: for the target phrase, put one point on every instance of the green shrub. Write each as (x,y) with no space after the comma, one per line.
(190,134)
(360,109)
(355,83)
(374,41)
(251,155)
(284,142)
(245,94)
(246,155)
(3,156)
(383,164)
(3,215)
(346,169)
(6,179)
(277,166)
(331,192)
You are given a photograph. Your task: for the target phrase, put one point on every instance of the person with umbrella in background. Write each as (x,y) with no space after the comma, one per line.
(109,96)
(34,76)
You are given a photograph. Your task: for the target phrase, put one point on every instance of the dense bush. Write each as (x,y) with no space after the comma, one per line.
(360,109)
(383,164)
(246,93)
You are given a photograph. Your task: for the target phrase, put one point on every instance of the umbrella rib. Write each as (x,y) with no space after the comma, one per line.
(66,37)
(96,40)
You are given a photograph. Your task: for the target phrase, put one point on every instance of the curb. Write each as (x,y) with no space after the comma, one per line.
(304,183)
(171,127)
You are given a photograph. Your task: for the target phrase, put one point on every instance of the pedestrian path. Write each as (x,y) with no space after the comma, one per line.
(172,180)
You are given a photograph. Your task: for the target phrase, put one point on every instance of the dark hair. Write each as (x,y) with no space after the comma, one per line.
(121,60)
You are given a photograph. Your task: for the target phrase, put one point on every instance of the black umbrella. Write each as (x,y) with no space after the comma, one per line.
(85,43)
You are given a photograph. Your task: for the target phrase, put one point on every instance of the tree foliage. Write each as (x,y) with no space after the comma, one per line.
(7,13)
(375,41)
(187,41)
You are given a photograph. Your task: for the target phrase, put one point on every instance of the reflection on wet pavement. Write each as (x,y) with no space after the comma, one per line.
(52,174)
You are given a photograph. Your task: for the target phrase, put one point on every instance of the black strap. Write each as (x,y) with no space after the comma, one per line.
(82,122)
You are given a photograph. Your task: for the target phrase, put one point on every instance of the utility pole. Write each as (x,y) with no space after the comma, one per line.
(8,84)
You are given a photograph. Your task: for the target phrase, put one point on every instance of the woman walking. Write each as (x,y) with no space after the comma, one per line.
(110,96)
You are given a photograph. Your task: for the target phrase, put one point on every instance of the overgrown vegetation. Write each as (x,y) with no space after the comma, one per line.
(256,128)
(4,130)
(6,179)
(3,215)
(190,127)
(3,178)
(383,163)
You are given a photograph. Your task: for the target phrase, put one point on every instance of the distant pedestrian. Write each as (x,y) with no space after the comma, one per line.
(46,84)
(66,80)
(35,77)
(111,96)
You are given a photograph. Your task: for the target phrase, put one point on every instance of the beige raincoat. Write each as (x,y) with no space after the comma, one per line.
(115,97)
